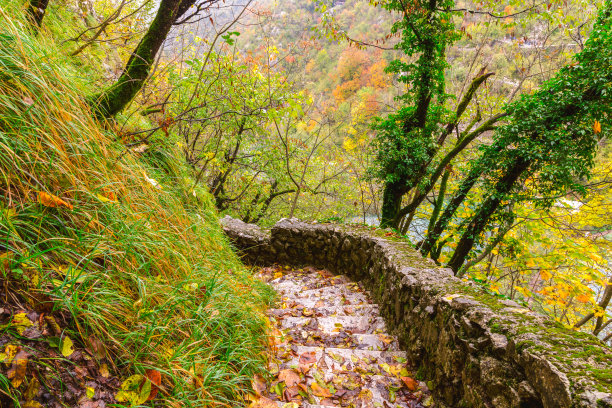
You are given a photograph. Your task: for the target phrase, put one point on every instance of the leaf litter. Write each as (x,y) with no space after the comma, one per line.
(329,347)
(44,364)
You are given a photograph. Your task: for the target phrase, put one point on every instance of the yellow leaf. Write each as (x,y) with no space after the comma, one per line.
(104,199)
(545,275)
(104,370)
(21,322)
(9,354)
(135,390)
(90,392)
(66,347)
(50,200)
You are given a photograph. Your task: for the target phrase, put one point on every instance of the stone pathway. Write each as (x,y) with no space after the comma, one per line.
(329,347)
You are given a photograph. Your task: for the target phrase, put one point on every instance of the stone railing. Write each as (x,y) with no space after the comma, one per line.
(477,350)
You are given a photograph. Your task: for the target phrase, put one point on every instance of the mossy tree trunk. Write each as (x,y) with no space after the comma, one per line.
(113,100)
(36,11)
(481,219)
(392,202)
(433,234)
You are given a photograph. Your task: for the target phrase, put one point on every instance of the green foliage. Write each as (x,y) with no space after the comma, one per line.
(405,139)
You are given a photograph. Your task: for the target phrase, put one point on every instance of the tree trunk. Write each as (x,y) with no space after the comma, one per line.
(449,211)
(487,209)
(392,202)
(113,100)
(36,11)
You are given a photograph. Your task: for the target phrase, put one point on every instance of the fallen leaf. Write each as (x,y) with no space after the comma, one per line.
(32,391)
(21,322)
(290,377)
(306,361)
(320,391)
(66,347)
(135,390)
(9,353)
(258,384)
(50,200)
(154,377)
(105,199)
(90,392)
(410,383)
(18,369)
(104,371)
(263,402)
(97,347)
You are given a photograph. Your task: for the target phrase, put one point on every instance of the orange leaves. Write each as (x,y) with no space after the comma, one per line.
(154,377)
(50,200)
(319,391)
(597,127)
(583,298)
(410,383)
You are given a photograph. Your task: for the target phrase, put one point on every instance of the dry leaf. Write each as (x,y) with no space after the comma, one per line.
(263,402)
(154,377)
(410,383)
(18,369)
(50,200)
(21,322)
(104,371)
(135,390)
(290,377)
(320,391)
(259,384)
(306,361)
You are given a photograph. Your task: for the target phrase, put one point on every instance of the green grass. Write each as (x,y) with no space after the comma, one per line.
(146,270)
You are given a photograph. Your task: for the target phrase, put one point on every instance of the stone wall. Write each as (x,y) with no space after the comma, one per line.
(476,349)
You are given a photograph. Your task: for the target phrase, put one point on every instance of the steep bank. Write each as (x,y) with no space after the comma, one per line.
(112,243)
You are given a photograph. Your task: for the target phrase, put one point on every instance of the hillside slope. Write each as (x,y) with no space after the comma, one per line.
(113,244)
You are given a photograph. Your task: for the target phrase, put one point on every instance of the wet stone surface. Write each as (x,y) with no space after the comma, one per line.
(329,347)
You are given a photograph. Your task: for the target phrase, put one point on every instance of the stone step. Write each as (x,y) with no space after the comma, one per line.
(379,342)
(375,392)
(343,359)
(325,298)
(292,284)
(326,311)
(334,324)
